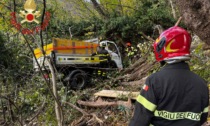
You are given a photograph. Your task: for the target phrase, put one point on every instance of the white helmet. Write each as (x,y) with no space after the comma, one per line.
(102,44)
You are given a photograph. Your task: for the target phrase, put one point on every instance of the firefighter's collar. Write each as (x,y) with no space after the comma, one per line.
(179,65)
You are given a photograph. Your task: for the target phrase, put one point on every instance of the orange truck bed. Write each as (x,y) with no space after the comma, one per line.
(65,46)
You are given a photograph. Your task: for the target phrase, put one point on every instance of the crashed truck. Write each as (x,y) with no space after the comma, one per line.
(73,60)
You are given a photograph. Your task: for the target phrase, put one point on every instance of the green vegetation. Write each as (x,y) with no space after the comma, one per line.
(24,93)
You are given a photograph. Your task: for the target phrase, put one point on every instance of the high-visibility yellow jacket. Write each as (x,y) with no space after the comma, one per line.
(103,54)
(131,51)
(174,96)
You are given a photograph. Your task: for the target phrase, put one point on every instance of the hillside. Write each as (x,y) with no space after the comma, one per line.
(39,97)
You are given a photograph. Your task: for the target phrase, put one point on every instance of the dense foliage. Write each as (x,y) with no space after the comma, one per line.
(24,92)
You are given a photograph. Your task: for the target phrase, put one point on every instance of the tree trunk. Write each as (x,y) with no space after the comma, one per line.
(99,9)
(196,17)
(172,8)
(58,111)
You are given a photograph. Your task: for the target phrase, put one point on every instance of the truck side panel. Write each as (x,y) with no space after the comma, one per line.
(65,46)
(73,46)
(74,59)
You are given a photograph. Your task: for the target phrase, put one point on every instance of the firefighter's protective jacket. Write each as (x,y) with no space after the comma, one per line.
(174,96)
(131,51)
(103,54)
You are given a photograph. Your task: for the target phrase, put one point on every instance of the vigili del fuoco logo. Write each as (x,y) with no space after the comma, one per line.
(30,15)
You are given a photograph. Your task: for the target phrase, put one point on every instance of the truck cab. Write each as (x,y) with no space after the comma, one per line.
(114,52)
(73,58)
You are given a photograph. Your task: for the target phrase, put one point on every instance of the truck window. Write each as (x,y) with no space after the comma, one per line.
(112,47)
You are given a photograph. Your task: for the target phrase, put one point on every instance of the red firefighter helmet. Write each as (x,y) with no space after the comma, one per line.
(128,44)
(173,44)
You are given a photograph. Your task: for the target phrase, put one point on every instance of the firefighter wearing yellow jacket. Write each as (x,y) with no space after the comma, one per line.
(104,58)
(173,96)
(131,52)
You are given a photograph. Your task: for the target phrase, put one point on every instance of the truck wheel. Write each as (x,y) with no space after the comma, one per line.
(77,79)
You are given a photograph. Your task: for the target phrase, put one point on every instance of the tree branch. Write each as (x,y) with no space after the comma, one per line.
(148,38)
(99,9)
(179,20)
(39,111)
(77,108)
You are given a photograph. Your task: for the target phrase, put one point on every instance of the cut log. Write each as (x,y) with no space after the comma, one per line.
(101,104)
(117,94)
(138,83)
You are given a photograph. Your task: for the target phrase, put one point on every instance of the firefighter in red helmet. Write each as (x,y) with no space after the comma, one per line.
(131,52)
(173,96)
(128,44)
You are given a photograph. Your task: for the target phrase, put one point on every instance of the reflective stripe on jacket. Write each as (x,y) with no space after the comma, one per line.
(103,57)
(103,54)
(130,51)
(174,96)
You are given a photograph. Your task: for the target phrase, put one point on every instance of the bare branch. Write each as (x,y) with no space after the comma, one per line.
(179,20)
(77,108)
(172,8)
(148,38)
(99,9)
(38,112)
